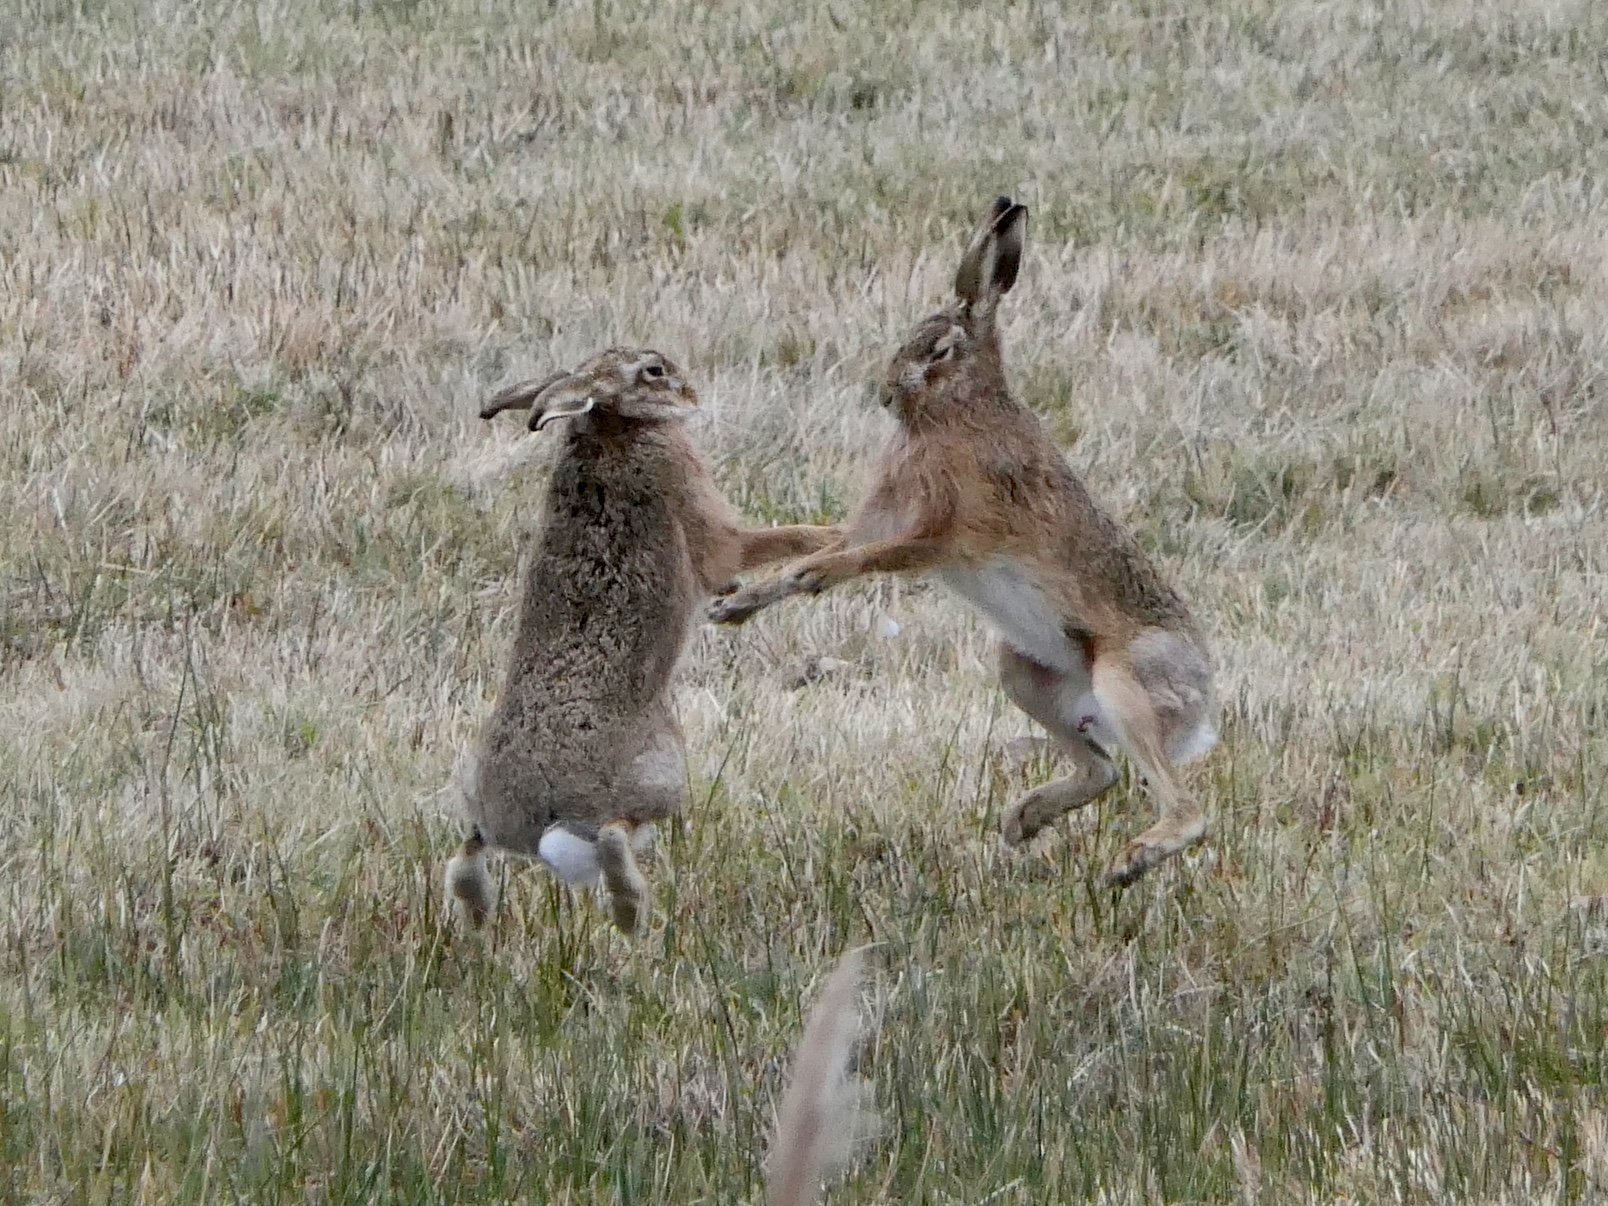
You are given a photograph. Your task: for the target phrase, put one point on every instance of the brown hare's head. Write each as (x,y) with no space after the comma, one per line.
(954,354)
(629,384)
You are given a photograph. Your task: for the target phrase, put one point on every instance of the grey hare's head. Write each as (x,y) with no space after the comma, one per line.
(954,354)
(634,385)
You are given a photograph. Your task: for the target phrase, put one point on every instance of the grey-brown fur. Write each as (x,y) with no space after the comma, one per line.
(634,538)
(1095,644)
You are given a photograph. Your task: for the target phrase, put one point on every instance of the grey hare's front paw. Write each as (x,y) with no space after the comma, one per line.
(735,608)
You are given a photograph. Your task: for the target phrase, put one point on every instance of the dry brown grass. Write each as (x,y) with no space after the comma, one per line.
(1315,298)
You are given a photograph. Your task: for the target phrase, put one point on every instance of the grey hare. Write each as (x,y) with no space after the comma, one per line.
(582,752)
(1094,643)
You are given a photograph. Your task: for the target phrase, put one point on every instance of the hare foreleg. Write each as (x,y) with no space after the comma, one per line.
(761,546)
(831,567)
(901,555)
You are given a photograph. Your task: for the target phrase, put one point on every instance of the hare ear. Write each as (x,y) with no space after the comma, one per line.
(519,397)
(566,407)
(989,268)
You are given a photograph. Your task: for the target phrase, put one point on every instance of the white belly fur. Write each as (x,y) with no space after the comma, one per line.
(1017,608)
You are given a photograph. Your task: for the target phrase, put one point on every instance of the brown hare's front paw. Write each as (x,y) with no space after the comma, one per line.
(734,608)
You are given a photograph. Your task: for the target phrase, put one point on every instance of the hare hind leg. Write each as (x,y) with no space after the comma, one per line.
(658,787)
(1051,698)
(1049,802)
(468,881)
(1142,729)
(627,887)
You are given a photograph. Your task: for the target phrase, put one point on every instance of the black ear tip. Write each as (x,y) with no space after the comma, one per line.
(1004,212)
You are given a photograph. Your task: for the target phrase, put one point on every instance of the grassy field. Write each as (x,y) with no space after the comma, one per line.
(1316,298)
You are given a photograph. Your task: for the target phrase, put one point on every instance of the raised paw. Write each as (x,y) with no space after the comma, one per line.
(806,580)
(735,608)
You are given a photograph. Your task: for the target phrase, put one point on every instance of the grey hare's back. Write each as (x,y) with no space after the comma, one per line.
(583,745)
(609,598)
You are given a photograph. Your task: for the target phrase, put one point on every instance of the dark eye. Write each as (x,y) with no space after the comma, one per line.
(653,371)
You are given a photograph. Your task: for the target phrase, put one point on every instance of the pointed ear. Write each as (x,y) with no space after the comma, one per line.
(566,406)
(989,267)
(519,397)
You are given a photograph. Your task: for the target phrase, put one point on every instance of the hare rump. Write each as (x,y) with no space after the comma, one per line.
(582,752)
(1093,643)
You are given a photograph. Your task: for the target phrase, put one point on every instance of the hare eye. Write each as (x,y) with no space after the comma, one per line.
(653,371)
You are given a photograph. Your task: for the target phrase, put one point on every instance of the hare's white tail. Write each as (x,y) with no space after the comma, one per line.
(826,1109)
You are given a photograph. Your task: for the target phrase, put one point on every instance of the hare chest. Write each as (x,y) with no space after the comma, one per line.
(1017,608)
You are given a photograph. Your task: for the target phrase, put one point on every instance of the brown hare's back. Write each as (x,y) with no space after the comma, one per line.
(1095,644)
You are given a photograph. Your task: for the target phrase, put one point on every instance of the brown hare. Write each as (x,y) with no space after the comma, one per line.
(1094,643)
(582,752)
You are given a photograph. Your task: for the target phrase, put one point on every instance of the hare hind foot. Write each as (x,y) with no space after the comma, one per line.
(1169,836)
(468,881)
(627,888)
(1048,803)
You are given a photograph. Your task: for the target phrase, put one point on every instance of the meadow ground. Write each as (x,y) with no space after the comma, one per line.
(1316,298)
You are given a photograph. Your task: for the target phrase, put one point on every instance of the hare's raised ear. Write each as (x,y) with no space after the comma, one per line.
(989,267)
(519,397)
